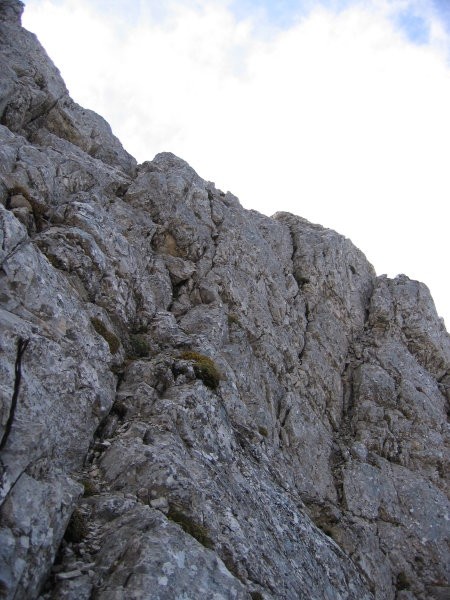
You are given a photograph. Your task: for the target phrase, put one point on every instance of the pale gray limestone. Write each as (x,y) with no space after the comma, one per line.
(302,452)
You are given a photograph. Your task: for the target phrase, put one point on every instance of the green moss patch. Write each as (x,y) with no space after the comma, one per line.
(77,529)
(233,319)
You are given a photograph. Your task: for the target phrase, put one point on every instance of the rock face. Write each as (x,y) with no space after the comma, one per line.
(198,401)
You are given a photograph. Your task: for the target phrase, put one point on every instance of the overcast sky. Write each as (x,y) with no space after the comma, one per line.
(335,110)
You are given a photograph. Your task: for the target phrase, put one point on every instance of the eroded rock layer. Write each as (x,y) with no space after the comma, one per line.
(198,401)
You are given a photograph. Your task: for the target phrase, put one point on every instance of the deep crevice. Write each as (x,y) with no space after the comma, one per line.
(21,347)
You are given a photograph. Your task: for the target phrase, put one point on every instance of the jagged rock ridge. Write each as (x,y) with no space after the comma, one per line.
(198,401)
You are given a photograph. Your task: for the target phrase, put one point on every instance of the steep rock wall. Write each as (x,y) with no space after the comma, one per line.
(198,400)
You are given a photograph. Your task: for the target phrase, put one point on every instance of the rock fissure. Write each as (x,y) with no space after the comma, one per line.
(21,348)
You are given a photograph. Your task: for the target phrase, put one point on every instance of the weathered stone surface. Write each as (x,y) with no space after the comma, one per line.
(34,100)
(197,400)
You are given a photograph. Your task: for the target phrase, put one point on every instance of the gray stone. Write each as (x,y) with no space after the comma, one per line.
(197,400)
(69,574)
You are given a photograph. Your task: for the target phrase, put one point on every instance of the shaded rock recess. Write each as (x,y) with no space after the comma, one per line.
(198,401)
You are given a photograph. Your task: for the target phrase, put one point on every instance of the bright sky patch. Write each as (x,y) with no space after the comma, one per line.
(336,111)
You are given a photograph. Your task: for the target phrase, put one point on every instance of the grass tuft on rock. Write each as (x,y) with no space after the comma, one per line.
(89,488)
(402,582)
(109,336)
(204,367)
(197,531)
(139,345)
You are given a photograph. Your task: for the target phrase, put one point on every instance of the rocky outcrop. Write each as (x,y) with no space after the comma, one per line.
(198,401)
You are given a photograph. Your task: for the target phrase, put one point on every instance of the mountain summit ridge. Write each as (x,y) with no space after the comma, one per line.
(199,401)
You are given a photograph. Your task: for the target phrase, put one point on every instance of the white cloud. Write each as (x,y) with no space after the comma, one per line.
(338,118)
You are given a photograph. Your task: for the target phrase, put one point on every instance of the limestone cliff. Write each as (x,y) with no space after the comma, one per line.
(198,401)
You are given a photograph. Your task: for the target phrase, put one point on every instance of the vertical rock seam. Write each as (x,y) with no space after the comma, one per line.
(21,347)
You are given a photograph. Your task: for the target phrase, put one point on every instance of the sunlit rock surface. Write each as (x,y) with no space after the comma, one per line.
(307,458)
